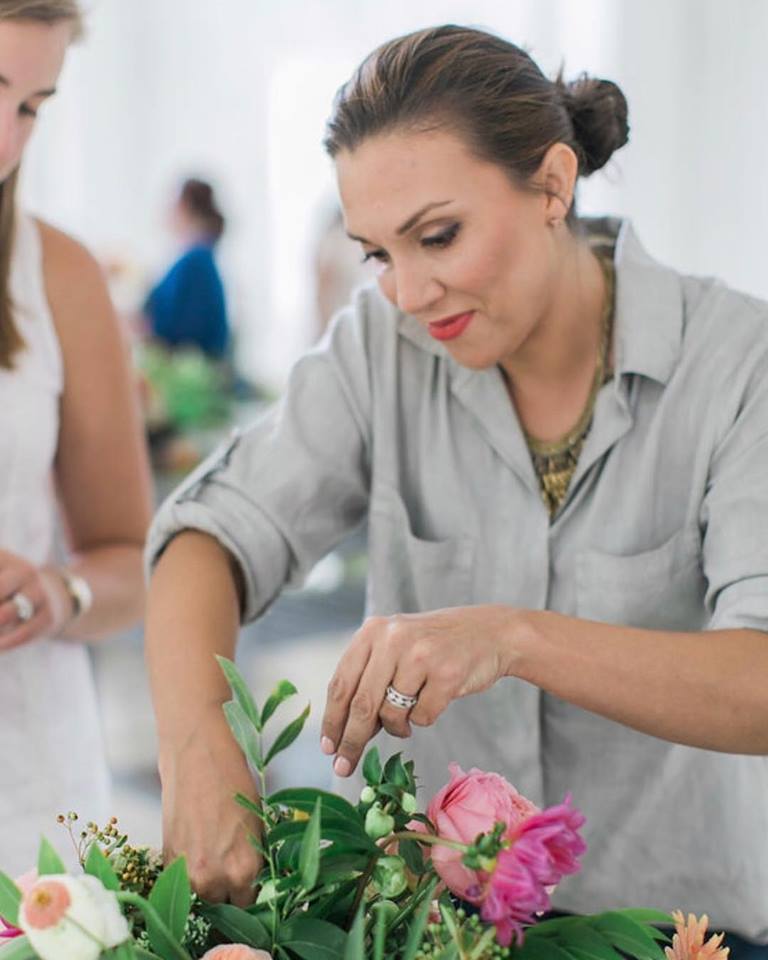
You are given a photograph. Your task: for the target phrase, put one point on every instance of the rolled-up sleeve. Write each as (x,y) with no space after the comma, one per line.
(734,515)
(282,493)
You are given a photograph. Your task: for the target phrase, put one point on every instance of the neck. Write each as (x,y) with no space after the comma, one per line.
(563,343)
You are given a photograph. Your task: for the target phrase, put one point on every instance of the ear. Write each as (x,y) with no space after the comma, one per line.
(557,176)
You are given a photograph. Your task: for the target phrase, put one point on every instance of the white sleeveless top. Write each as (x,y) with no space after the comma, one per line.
(51,751)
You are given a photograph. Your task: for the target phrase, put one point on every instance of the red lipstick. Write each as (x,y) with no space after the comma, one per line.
(451,327)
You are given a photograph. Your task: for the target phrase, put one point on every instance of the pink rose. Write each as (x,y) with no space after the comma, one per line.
(471,803)
(235,951)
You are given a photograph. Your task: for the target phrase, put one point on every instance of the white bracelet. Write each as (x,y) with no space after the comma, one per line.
(79,591)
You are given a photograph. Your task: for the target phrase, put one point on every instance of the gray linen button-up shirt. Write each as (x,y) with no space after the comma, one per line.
(665,526)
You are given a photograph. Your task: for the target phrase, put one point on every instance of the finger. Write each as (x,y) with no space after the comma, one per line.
(408,680)
(12,579)
(26,631)
(342,688)
(433,699)
(9,615)
(363,716)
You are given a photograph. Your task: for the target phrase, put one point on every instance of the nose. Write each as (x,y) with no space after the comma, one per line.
(413,288)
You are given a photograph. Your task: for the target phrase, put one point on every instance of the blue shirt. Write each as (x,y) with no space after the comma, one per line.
(187,307)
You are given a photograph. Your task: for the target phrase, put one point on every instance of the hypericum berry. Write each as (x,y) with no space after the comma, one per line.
(367,795)
(408,803)
(377,823)
(389,876)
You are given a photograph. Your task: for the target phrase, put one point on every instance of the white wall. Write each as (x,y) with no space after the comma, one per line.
(238,90)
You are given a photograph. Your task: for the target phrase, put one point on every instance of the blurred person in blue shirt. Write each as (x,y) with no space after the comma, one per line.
(187,307)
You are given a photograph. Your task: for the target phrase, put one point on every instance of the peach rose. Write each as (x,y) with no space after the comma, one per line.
(235,951)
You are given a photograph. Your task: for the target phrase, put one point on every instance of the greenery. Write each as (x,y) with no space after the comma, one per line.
(339,880)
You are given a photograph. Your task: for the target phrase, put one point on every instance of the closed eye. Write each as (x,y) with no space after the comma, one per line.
(379,255)
(26,111)
(443,239)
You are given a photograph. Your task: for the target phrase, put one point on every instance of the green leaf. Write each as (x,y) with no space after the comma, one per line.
(590,943)
(313,939)
(483,945)
(354,947)
(124,951)
(349,842)
(304,798)
(239,925)
(309,854)
(171,897)
(244,732)
(395,772)
(164,943)
(10,899)
(419,924)
(410,851)
(19,949)
(288,735)
(628,935)
(279,695)
(533,949)
(48,861)
(372,767)
(240,691)
(97,865)
(379,935)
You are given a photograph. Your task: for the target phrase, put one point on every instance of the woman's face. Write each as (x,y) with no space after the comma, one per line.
(460,248)
(31,55)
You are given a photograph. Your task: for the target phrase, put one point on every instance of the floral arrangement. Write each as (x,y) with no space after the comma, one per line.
(378,880)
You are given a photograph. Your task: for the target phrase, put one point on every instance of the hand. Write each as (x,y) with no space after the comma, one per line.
(45,590)
(438,656)
(201,818)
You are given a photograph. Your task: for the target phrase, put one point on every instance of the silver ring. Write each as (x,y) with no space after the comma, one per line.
(25,609)
(401,700)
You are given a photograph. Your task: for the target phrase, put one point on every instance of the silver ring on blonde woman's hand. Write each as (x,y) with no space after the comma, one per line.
(25,609)
(401,700)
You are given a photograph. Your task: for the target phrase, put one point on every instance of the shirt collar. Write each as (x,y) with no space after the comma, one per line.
(648,315)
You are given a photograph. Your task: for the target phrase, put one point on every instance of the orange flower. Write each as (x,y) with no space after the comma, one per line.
(688,941)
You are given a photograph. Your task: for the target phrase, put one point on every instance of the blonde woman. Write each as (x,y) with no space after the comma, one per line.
(70,442)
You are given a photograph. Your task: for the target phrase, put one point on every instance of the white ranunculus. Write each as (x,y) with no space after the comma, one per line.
(71,918)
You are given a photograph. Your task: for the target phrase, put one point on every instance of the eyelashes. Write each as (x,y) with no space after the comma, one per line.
(437,241)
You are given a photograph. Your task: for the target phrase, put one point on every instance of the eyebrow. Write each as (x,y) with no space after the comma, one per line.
(411,222)
(5,82)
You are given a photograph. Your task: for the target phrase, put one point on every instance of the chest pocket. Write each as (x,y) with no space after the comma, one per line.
(659,589)
(409,574)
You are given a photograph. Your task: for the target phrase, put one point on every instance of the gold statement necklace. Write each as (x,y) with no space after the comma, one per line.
(555,461)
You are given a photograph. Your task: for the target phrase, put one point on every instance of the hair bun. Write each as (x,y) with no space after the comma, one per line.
(598,111)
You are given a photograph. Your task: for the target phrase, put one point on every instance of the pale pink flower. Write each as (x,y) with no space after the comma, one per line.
(688,940)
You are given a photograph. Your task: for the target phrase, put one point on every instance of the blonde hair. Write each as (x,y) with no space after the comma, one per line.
(42,11)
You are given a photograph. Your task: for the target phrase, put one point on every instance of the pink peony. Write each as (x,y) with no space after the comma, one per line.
(470,804)
(235,951)
(25,883)
(544,848)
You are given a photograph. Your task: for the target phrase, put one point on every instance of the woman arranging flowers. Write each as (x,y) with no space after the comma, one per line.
(559,446)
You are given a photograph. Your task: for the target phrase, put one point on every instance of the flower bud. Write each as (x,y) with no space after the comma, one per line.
(377,823)
(367,795)
(389,909)
(408,803)
(389,876)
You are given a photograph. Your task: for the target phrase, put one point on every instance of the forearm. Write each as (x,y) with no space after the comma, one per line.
(115,576)
(705,689)
(193,613)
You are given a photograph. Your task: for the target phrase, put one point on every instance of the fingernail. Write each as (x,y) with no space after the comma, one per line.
(342,767)
(327,745)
